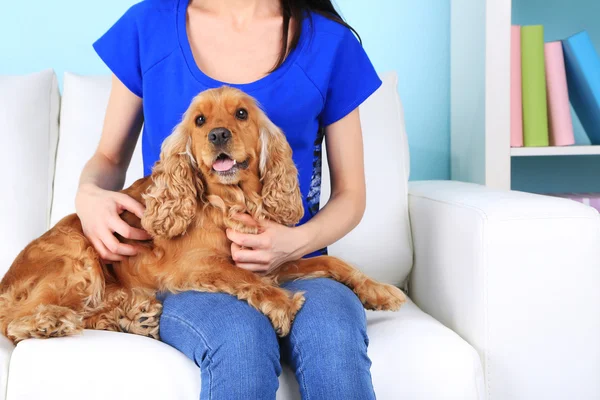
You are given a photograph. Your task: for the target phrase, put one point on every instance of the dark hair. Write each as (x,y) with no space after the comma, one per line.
(297,10)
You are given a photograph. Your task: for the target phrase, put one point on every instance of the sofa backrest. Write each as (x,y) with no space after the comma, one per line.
(380,245)
(29,130)
(83,106)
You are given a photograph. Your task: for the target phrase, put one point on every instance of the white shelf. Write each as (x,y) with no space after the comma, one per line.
(554,151)
(480,91)
(480,37)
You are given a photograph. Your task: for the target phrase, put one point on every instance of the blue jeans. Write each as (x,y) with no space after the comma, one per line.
(239,353)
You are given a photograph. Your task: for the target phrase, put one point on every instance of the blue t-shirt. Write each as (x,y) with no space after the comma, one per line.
(322,80)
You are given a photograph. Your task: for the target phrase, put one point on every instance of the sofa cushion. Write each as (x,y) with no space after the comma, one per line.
(414,357)
(381,244)
(29,107)
(82,113)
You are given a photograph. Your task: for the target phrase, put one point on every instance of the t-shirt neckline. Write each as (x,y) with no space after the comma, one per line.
(195,70)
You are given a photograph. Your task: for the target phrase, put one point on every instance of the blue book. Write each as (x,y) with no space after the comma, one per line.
(583,76)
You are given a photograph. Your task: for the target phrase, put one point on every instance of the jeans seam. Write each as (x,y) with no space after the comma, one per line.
(201,336)
(300,370)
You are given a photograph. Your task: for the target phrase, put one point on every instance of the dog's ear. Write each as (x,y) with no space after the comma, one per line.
(282,200)
(172,198)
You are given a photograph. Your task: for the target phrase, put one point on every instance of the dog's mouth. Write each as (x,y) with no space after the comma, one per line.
(225,165)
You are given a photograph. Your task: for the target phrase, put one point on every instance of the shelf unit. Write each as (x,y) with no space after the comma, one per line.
(480,91)
(480,83)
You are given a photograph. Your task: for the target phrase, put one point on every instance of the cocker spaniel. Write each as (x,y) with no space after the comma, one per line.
(225,157)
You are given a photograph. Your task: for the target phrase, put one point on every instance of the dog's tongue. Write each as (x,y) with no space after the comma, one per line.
(223,165)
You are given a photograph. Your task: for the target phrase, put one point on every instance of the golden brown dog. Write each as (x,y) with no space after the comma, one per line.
(225,157)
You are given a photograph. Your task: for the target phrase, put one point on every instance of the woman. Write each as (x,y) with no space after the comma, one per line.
(310,73)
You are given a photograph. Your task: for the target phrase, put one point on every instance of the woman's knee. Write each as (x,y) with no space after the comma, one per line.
(332,319)
(234,345)
(330,305)
(328,343)
(214,326)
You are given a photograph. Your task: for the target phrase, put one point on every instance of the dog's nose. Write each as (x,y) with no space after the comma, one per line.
(219,136)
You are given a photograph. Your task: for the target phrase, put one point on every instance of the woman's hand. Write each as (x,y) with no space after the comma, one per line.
(99,211)
(273,246)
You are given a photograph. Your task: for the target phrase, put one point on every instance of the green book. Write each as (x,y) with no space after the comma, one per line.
(535,108)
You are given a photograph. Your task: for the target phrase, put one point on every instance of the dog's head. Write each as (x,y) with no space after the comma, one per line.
(223,140)
(224,128)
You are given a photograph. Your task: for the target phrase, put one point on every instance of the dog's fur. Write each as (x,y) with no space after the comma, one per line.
(58,285)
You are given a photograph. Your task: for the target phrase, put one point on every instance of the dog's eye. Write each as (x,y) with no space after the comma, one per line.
(200,120)
(241,114)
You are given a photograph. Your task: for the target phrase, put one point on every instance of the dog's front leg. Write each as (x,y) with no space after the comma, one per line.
(219,275)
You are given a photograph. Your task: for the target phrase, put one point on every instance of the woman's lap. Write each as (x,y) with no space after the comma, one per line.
(238,352)
(228,340)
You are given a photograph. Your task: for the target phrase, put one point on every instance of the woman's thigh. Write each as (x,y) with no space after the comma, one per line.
(327,345)
(234,345)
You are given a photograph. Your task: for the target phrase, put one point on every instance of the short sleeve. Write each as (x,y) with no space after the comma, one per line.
(120,50)
(352,80)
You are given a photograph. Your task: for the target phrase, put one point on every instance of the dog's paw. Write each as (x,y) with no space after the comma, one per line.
(142,319)
(380,296)
(283,317)
(296,304)
(282,321)
(48,321)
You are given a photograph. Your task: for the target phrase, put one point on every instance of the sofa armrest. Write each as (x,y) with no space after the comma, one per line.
(6,349)
(517,275)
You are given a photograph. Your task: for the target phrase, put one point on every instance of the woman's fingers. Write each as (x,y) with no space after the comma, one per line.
(122,228)
(127,203)
(238,254)
(245,219)
(243,255)
(105,254)
(114,246)
(259,268)
(99,210)
(246,239)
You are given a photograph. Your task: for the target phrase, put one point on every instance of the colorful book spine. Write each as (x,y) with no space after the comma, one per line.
(589,199)
(559,109)
(535,109)
(594,202)
(583,74)
(516,103)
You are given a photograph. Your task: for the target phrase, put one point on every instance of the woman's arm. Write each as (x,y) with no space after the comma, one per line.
(346,206)
(344,210)
(98,206)
(122,123)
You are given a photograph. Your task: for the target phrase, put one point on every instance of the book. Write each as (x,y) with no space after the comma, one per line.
(516,103)
(589,199)
(583,76)
(533,75)
(560,124)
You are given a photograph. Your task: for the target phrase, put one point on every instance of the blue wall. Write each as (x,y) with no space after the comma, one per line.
(411,37)
(559,174)
(40,34)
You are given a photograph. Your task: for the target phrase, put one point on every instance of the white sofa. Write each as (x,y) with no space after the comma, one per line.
(512,278)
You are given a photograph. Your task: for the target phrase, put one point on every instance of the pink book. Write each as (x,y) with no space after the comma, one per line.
(592,200)
(595,202)
(589,199)
(516,100)
(559,111)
